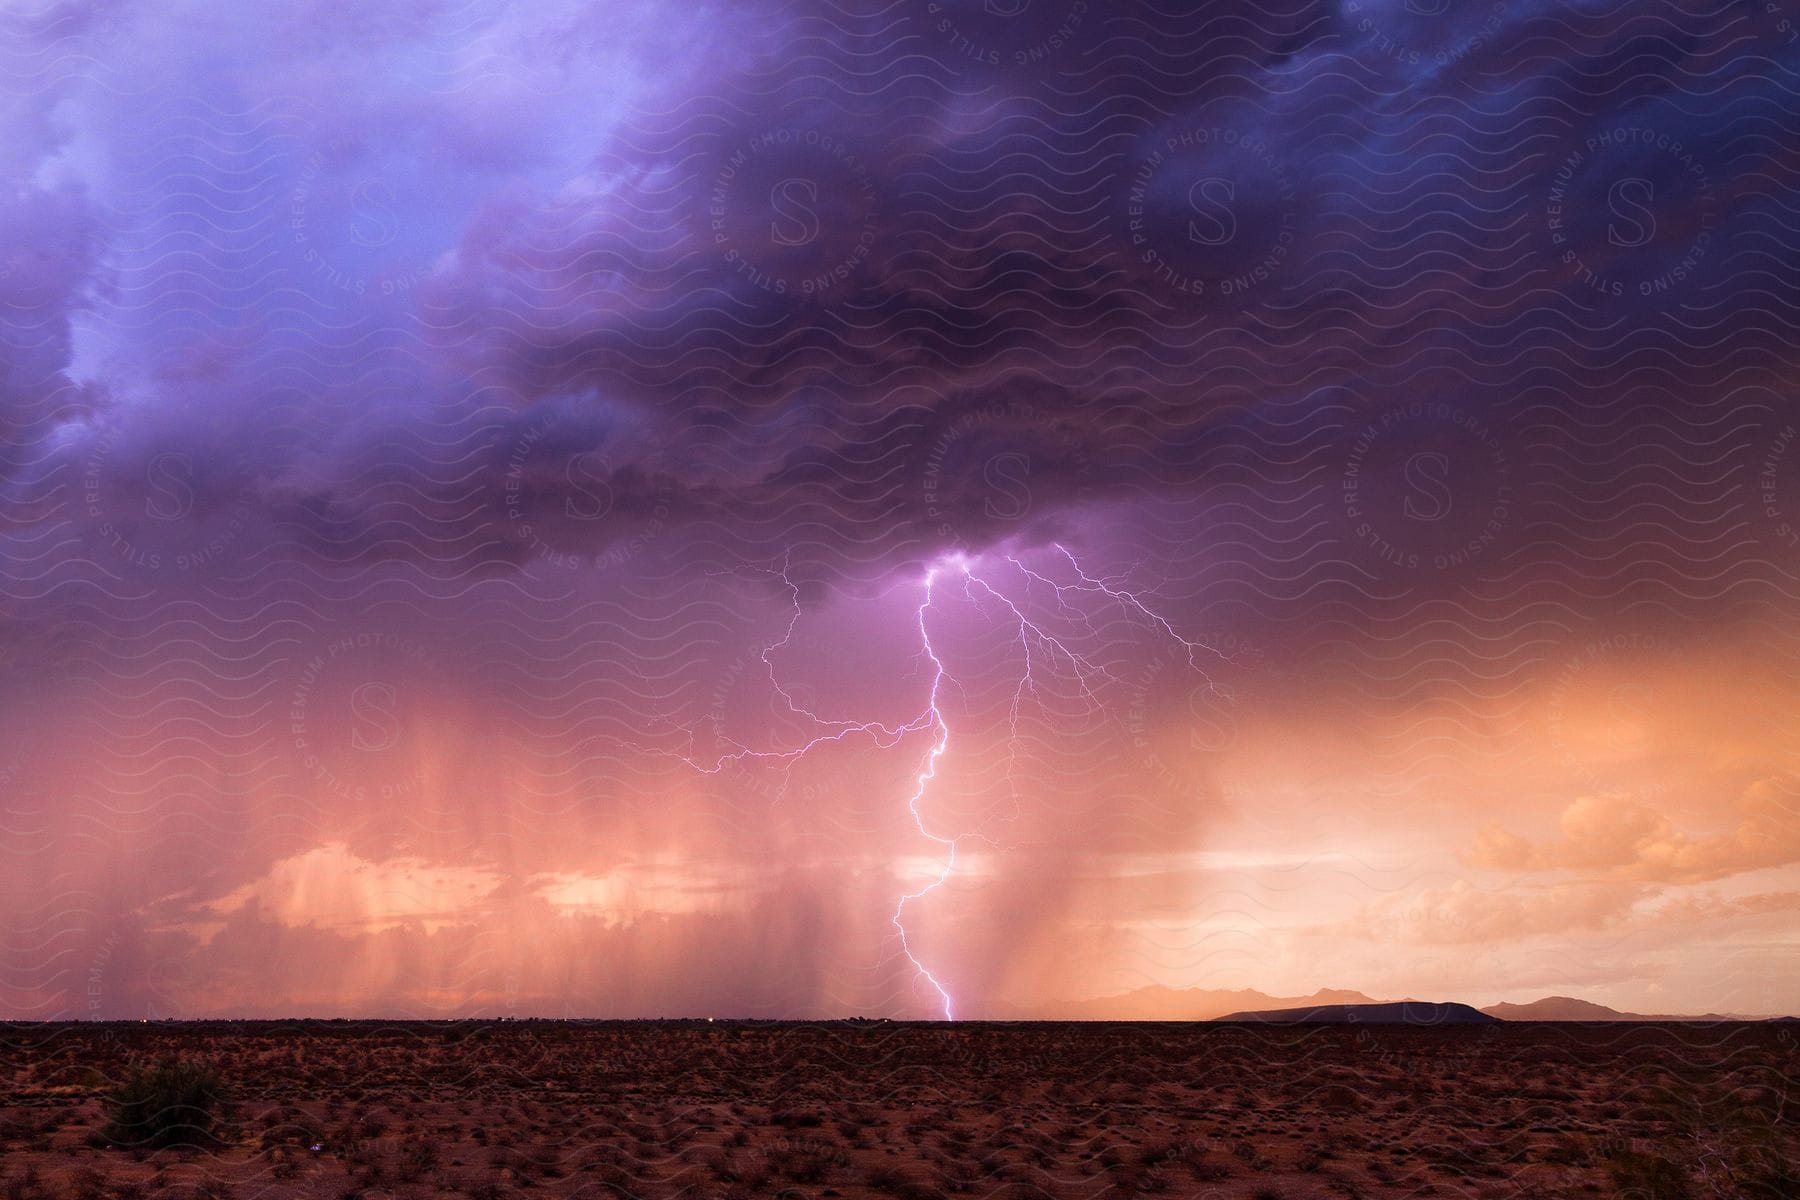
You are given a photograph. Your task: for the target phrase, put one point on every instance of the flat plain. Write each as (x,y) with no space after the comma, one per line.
(873,1109)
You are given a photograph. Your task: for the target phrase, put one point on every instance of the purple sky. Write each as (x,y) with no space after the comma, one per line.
(458,454)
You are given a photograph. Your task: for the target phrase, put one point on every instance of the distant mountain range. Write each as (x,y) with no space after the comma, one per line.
(1201,1004)
(1567,1008)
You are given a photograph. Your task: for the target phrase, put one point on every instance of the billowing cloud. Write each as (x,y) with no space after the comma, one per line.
(1614,835)
(331,888)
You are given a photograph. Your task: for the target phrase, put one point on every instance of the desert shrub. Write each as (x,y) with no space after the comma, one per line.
(87,1184)
(1567,1151)
(919,1191)
(29,1186)
(886,1178)
(1767,1176)
(1205,1169)
(173,1102)
(616,1179)
(416,1158)
(959,1176)
(546,1161)
(1647,1177)
(800,1166)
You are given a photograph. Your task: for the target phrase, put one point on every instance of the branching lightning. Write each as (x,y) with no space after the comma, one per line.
(1038,647)
(940,743)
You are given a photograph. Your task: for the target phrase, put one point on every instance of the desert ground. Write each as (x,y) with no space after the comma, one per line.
(729,1111)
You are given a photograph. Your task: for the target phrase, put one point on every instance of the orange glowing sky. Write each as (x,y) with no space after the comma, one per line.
(1616,821)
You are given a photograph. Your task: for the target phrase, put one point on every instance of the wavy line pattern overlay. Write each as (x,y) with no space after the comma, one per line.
(919,508)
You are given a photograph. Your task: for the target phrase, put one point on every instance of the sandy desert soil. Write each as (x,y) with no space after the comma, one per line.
(919,1112)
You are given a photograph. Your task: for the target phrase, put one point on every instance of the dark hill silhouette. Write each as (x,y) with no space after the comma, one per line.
(1403,1012)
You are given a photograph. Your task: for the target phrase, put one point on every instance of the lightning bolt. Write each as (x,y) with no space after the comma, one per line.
(929,771)
(1037,645)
